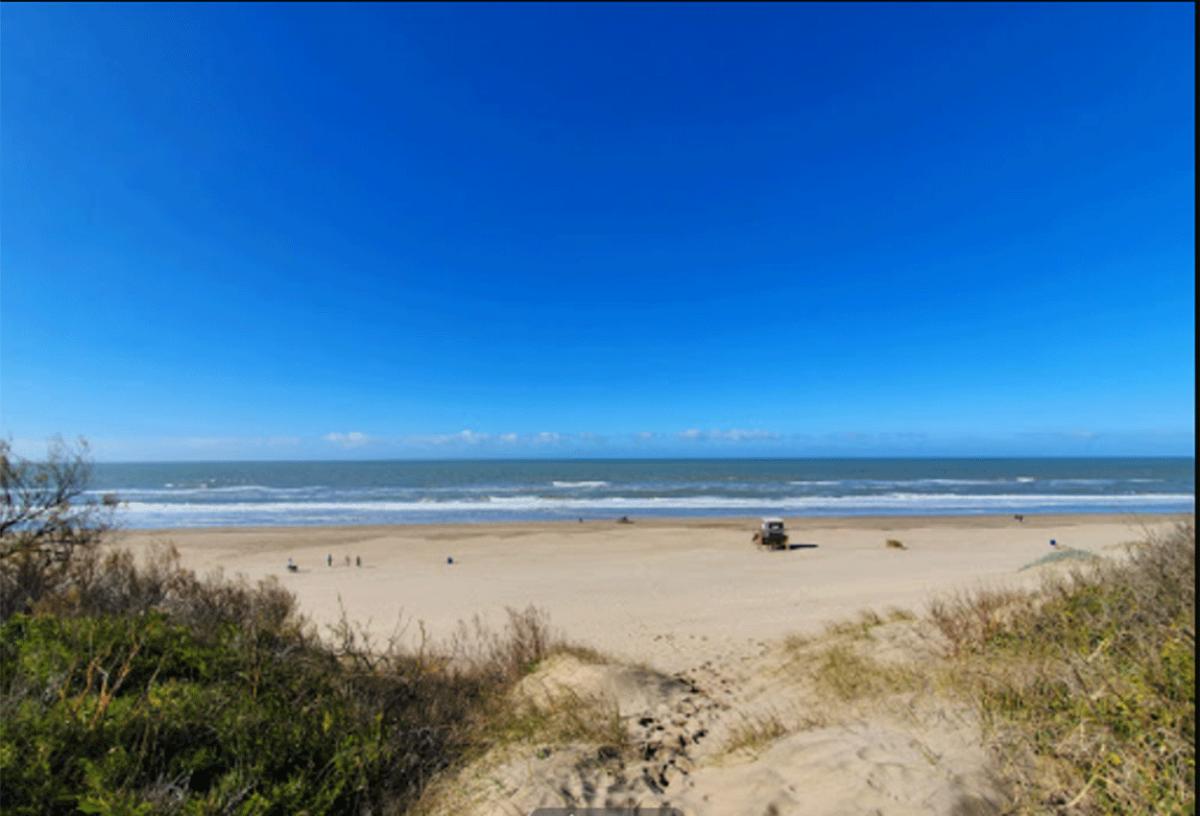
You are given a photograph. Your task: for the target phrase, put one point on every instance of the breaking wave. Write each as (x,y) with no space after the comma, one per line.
(166,514)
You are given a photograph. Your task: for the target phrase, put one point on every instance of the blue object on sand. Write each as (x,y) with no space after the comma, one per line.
(450,559)
(1053,543)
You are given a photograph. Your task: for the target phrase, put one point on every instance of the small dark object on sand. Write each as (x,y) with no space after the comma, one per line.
(358,560)
(624,520)
(1019,517)
(895,544)
(449,559)
(1053,543)
(291,565)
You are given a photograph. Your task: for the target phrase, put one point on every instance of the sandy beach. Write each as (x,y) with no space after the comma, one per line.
(719,708)
(666,593)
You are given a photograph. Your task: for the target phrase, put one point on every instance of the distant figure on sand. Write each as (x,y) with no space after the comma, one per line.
(347,560)
(1019,517)
(450,559)
(624,520)
(291,565)
(329,559)
(358,560)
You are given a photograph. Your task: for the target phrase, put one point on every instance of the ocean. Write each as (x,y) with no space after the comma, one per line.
(201,494)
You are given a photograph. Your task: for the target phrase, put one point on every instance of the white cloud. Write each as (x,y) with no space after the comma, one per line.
(350,439)
(464,437)
(209,443)
(740,435)
(727,435)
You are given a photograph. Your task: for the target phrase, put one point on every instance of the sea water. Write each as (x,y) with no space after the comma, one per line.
(197,494)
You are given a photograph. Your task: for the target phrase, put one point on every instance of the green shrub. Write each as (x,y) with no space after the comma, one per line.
(119,714)
(131,686)
(1088,686)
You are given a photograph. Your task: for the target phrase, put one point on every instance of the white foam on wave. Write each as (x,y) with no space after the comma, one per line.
(658,504)
(909,482)
(596,483)
(227,490)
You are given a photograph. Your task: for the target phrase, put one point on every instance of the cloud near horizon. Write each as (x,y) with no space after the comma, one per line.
(730,435)
(350,439)
(684,443)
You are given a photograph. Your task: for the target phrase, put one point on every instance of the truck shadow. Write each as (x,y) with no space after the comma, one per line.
(802,546)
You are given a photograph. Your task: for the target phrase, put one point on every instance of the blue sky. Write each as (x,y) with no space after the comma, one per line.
(238,231)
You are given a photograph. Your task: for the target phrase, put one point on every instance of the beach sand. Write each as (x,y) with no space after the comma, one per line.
(693,623)
(667,593)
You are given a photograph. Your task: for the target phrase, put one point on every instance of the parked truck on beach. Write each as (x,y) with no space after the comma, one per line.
(771,535)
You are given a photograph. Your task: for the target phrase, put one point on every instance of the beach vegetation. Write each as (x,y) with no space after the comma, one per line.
(562,718)
(50,527)
(859,627)
(847,673)
(756,733)
(898,614)
(1084,686)
(1087,686)
(131,685)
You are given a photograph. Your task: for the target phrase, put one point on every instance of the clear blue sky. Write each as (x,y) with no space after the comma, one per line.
(237,231)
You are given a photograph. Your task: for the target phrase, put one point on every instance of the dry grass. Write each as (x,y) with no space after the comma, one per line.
(1085,687)
(796,643)
(563,718)
(858,628)
(847,675)
(965,619)
(754,734)
(1088,685)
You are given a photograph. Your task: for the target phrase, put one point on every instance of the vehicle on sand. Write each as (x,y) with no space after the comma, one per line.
(771,535)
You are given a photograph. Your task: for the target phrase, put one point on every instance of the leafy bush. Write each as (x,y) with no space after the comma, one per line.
(133,686)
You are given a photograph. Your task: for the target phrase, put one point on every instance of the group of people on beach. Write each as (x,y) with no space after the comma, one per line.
(291,564)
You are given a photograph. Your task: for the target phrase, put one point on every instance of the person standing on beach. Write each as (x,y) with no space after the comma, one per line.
(329,559)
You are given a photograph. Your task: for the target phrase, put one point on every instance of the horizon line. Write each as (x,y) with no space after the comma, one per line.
(359,460)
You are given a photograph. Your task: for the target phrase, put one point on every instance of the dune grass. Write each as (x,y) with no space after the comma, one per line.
(848,674)
(859,627)
(563,718)
(1087,687)
(754,734)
